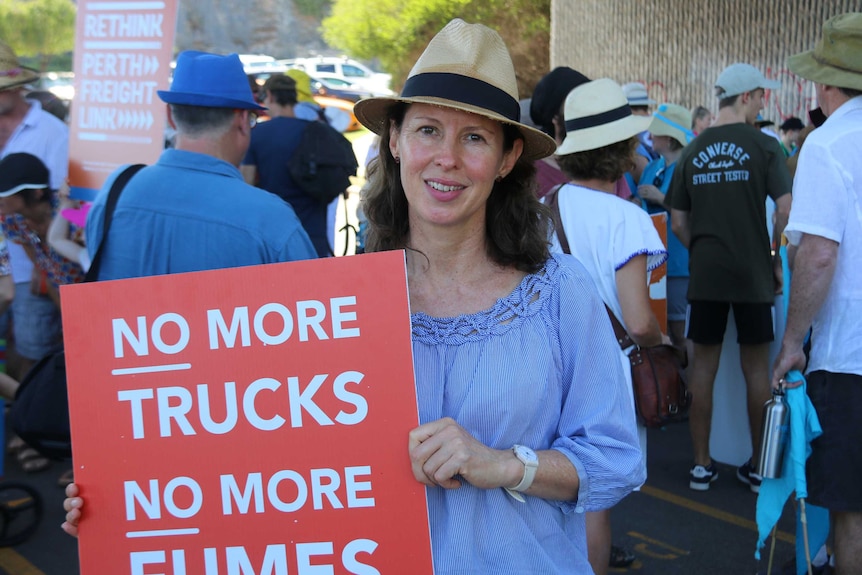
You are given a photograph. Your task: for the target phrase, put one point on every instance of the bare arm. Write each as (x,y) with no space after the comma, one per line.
(442,449)
(633,292)
(58,239)
(680,224)
(7,292)
(814,267)
(782,213)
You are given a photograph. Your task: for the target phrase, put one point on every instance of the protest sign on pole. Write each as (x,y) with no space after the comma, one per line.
(247,420)
(658,276)
(123,52)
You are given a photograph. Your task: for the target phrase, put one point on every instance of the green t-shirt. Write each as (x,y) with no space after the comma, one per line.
(722,179)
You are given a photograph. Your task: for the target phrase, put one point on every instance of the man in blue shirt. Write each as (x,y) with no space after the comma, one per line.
(272,145)
(192,210)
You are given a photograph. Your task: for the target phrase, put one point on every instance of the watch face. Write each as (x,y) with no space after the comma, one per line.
(526,454)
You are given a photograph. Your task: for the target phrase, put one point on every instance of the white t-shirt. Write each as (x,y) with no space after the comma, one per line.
(605,232)
(827,202)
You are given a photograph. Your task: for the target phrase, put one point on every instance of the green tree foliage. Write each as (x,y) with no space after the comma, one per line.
(396,31)
(313,8)
(38,28)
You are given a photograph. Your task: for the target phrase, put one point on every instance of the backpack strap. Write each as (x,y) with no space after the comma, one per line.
(110,204)
(623,338)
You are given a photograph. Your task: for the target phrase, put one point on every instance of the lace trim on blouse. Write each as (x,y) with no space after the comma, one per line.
(508,313)
(652,264)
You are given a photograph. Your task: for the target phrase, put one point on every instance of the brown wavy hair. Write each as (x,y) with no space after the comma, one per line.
(607,164)
(516,223)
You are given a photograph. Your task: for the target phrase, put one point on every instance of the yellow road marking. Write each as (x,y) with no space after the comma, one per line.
(14,564)
(712,512)
(643,537)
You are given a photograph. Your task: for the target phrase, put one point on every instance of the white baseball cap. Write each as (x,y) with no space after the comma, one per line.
(739,78)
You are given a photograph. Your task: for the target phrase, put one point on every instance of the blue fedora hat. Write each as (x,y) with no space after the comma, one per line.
(210,81)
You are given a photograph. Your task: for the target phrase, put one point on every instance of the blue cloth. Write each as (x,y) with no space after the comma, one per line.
(272,144)
(659,175)
(191,212)
(540,368)
(804,427)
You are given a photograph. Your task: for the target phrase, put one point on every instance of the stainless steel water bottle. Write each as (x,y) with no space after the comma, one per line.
(773,439)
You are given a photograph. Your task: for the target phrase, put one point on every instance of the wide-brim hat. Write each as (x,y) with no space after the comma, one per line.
(12,73)
(22,171)
(671,120)
(836,60)
(465,67)
(597,115)
(636,94)
(210,81)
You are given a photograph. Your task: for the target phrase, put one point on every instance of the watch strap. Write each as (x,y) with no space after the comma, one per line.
(530,468)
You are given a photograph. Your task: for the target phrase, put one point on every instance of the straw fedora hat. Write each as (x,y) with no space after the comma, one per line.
(671,120)
(465,67)
(597,115)
(835,60)
(12,73)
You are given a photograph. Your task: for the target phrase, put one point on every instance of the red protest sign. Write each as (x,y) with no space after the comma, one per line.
(247,420)
(123,51)
(658,276)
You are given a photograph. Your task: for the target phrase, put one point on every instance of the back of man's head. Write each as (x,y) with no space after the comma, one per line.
(206,90)
(282,89)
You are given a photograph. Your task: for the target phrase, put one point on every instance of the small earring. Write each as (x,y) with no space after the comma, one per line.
(397,159)
(498,179)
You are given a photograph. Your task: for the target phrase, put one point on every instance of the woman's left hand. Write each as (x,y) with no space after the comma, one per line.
(442,449)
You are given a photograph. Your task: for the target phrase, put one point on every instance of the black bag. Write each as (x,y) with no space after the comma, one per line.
(323,162)
(40,413)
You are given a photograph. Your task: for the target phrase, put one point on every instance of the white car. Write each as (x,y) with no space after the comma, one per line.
(350,70)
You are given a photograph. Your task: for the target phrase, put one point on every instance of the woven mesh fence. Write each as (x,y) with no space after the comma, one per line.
(677,48)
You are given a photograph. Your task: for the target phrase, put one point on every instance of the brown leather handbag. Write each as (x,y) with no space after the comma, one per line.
(658,373)
(658,378)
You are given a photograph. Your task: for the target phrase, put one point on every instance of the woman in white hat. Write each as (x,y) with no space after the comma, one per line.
(514,357)
(669,136)
(614,239)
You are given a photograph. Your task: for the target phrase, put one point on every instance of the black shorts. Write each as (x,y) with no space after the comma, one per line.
(707,320)
(835,465)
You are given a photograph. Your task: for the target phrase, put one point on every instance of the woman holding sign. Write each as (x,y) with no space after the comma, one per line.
(526,423)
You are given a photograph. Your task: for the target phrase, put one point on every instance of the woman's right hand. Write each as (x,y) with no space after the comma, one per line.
(72,505)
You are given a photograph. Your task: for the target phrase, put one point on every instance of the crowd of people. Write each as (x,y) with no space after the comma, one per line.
(524,238)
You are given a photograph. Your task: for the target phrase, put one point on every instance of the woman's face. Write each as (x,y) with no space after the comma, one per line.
(449,161)
(702,123)
(13,204)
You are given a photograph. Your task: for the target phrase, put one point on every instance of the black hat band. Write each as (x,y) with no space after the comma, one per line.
(598,119)
(463,89)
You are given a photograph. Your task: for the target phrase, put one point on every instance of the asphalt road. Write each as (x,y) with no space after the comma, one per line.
(671,529)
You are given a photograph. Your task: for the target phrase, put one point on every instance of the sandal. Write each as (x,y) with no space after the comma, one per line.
(31,461)
(67,478)
(621,557)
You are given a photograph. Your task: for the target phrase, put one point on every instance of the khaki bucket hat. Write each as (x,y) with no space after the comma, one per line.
(836,60)
(465,67)
(672,120)
(12,73)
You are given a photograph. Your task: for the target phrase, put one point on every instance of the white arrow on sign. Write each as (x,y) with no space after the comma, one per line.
(135,119)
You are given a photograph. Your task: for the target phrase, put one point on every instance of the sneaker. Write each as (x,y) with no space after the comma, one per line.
(746,474)
(700,477)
